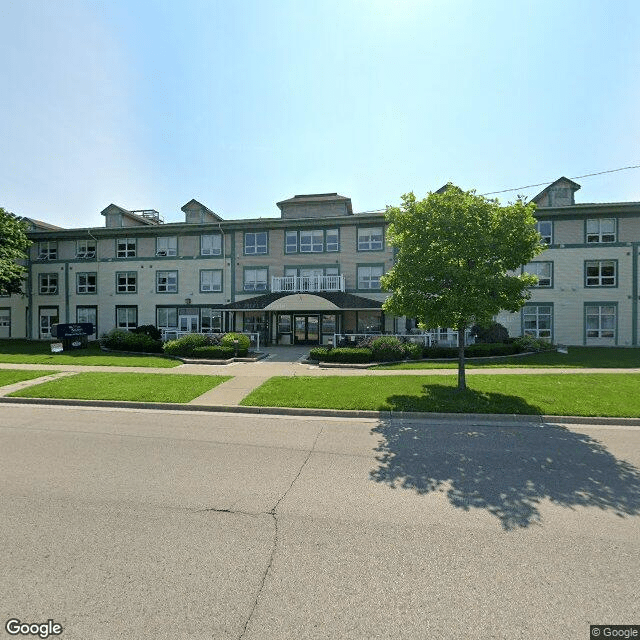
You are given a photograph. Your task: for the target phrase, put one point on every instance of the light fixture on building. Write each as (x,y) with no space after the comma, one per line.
(187,300)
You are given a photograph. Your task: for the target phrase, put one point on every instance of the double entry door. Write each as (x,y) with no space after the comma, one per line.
(306,329)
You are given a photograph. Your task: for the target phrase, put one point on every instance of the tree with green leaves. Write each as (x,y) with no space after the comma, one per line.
(13,252)
(458,259)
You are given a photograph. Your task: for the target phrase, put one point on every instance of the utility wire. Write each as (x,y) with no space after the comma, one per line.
(539,184)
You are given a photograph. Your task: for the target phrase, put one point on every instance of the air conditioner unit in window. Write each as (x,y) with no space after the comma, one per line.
(43,256)
(161,252)
(81,254)
(91,254)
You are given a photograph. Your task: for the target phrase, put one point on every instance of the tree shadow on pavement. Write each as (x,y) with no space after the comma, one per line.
(506,470)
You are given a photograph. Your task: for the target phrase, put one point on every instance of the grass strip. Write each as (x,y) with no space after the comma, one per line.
(134,387)
(588,357)
(11,376)
(35,352)
(570,394)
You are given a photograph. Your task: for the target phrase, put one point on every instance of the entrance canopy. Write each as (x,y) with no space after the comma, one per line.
(301,302)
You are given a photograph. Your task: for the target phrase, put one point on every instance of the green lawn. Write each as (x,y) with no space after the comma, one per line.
(36,352)
(596,357)
(570,394)
(10,376)
(138,387)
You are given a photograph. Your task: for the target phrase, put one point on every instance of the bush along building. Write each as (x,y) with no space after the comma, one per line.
(310,273)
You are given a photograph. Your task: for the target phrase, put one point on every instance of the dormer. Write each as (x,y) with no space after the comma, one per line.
(196,213)
(116,216)
(315,205)
(38,225)
(560,193)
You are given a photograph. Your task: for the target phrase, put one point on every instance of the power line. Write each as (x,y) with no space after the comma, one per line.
(539,184)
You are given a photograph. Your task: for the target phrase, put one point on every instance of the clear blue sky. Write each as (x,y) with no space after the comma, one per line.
(240,104)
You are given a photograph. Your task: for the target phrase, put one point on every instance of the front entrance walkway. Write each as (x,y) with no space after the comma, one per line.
(286,354)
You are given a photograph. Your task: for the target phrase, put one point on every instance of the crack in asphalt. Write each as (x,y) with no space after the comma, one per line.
(274,543)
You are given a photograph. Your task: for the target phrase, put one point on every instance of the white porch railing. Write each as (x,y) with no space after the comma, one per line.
(174,334)
(296,284)
(448,338)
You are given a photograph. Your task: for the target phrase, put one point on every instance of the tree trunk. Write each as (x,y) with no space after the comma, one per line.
(462,383)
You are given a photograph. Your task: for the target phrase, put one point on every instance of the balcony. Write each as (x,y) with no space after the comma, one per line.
(298,284)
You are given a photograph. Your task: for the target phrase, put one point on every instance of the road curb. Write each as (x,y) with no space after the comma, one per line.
(492,418)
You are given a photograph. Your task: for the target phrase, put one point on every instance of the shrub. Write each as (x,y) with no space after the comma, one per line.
(214,352)
(413,351)
(148,330)
(243,342)
(439,352)
(485,350)
(528,343)
(491,334)
(387,349)
(185,345)
(341,354)
(122,340)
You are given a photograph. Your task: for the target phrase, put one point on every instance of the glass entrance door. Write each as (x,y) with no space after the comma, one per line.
(306,329)
(48,317)
(188,323)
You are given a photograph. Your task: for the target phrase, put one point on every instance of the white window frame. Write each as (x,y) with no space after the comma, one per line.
(130,319)
(537,313)
(602,311)
(254,244)
(596,234)
(163,317)
(369,277)
(124,249)
(599,279)
(166,282)
(253,280)
(291,242)
(85,248)
(127,286)
(368,238)
(86,287)
(213,317)
(211,244)
(311,241)
(547,238)
(332,245)
(210,280)
(166,246)
(545,280)
(48,250)
(47,284)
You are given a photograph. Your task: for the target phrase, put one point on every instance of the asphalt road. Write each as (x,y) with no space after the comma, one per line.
(152,524)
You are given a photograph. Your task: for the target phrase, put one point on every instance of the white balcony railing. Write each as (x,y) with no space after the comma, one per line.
(296,284)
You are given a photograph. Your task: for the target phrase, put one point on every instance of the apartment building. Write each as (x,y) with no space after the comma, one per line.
(309,273)
(296,279)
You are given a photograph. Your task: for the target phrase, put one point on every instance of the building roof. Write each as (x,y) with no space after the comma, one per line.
(45,226)
(130,214)
(316,198)
(186,207)
(340,299)
(570,183)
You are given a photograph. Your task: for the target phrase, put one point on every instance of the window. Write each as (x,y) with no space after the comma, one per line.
(210,280)
(600,273)
(370,239)
(211,245)
(600,321)
(545,229)
(126,282)
(47,283)
(332,239)
(601,230)
(291,242)
(47,250)
(126,247)
(166,281)
(167,318)
(311,241)
(210,320)
(86,249)
(167,246)
(369,322)
(255,243)
(255,279)
(544,271)
(86,282)
(88,314)
(536,321)
(369,277)
(126,317)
